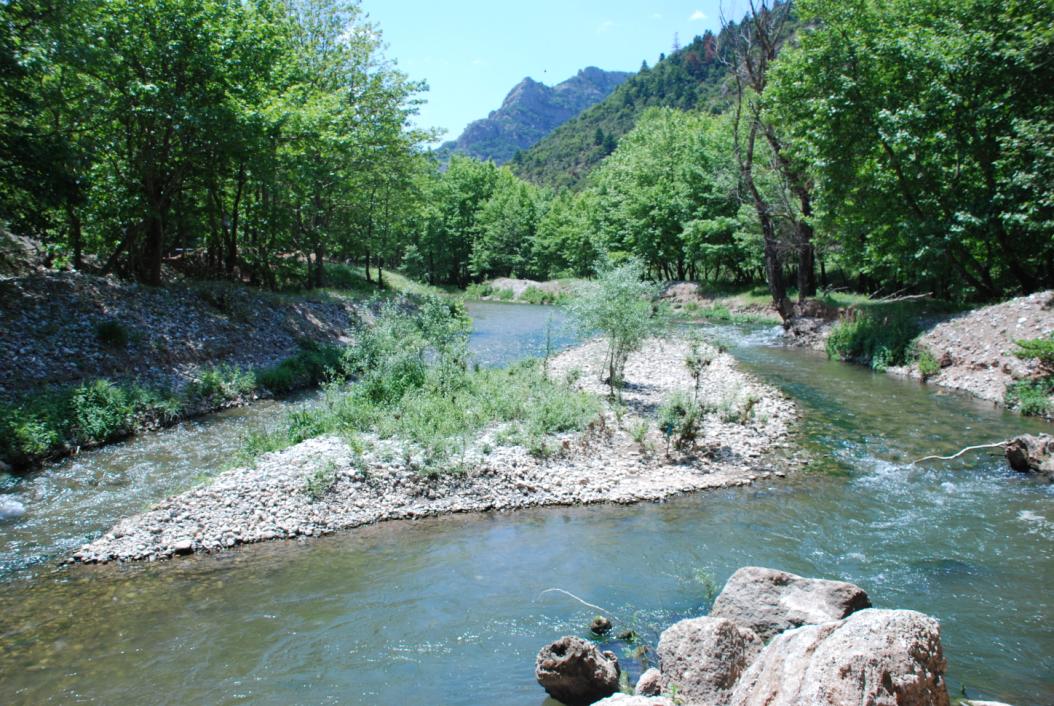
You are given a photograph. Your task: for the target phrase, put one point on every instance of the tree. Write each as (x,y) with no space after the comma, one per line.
(928,128)
(618,305)
(667,194)
(755,46)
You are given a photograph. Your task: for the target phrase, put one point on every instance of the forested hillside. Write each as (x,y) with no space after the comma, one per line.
(530,112)
(690,78)
(876,146)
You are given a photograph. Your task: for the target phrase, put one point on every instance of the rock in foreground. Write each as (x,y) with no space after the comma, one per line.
(875,657)
(703,658)
(575,672)
(769,601)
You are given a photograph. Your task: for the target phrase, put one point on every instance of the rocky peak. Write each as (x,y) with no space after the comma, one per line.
(531,111)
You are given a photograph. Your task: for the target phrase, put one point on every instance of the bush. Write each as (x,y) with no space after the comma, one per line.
(111,333)
(679,421)
(875,339)
(479,290)
(505,295)
(928,365)
(1042,349)
(414,385)
(220,384)
(619,306)
(101,412)
(1031,397)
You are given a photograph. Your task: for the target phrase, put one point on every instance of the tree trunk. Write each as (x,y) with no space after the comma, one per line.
(76,235)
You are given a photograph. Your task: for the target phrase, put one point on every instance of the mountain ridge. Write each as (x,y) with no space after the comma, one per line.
(529,112)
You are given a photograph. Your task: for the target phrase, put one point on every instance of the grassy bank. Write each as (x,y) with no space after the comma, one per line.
(55,423)
(884,334)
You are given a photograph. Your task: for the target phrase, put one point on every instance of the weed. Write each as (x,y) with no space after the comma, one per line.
(928,365)
(679,421)
(321,481)
(1031,397)
(111,333)
(879,339)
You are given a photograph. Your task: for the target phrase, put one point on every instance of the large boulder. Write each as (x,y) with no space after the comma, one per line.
(874,657)
(1032,454)
(769,601)
(575,672)
(703,658)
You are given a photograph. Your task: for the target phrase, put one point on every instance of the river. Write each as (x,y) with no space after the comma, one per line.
(451,610)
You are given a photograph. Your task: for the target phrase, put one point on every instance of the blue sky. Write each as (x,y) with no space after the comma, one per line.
(472,52)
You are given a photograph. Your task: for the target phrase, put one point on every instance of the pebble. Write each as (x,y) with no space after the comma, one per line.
(267,501)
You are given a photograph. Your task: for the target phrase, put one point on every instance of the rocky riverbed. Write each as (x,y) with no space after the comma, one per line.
(328,484)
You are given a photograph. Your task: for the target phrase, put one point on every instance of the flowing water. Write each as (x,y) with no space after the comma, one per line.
(452,610)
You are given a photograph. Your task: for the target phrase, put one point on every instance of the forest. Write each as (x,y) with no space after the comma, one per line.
(874,146)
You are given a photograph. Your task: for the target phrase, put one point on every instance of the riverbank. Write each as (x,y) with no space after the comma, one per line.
(89,360)
(328,484)
(971,351)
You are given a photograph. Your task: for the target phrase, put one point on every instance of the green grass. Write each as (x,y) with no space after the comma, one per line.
(1031,397)
(99,411)
(413,385)
(879,338)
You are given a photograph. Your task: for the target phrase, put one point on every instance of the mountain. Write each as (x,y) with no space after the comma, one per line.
(691,78)
(530,112)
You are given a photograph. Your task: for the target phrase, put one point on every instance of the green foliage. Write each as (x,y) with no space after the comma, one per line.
(312,365)
(1031,397)
(101,411)
(1041,349)
(679,421)
(668,196)
(321,481)
(219,384)
(686,80)
(928,365)
(414,385)
(927,128)
(879,339)
(111,333)
(621,307)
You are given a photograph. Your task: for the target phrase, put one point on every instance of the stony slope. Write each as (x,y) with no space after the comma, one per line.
(976,349)
(51,326)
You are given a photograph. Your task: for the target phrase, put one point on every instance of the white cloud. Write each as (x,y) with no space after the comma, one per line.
(605,26)
(697,15)
(656,15)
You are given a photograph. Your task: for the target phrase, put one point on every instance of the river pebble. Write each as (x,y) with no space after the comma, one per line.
(602,464)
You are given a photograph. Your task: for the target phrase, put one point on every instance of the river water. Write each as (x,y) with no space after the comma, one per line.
(452,610)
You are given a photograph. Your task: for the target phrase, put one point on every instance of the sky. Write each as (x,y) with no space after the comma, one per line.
(472,52)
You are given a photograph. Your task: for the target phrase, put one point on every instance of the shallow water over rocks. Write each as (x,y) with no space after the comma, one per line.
(450,610)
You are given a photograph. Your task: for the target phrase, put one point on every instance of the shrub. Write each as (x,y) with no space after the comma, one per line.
(479,290)
(435,403)
(875,339)
(505,295)
(220,384)
(618,306)
(928,365)
(111,333)
(321,481)
(101,411)
(679,421)
(1031,397)
(1042,349)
